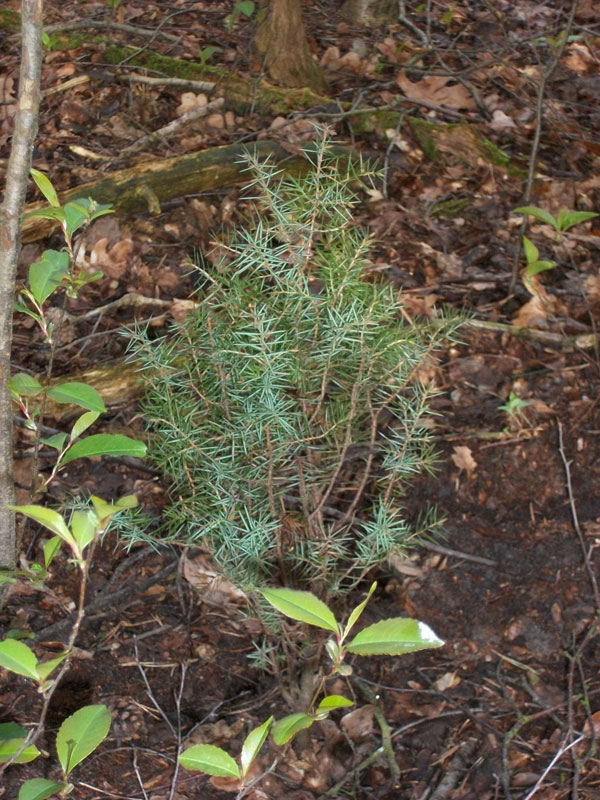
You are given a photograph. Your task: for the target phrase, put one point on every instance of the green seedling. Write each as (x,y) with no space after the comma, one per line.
(206,53)
(394,636)
(70,446)
(448,16)
(243,8)
(86,525)
(78,736)
(534,264)
(563,222)
(52,272)
(514,408)
(55,270)
(82,732)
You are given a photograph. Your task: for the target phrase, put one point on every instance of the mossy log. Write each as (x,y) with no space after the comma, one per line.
(145,186)
(118,381)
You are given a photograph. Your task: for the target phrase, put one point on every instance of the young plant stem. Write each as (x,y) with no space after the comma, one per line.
(36,732)
(387,745)
(539,116)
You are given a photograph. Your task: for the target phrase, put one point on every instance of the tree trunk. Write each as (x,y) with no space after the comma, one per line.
(282,40)
(17,175)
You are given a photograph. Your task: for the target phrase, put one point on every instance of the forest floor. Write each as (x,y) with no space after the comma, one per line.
(510,707)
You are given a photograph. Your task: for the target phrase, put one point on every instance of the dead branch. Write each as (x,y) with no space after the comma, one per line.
(148,33)
(173,127)
(180,83)
(583,341)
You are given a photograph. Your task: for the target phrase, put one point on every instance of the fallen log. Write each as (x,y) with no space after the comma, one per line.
(145,186)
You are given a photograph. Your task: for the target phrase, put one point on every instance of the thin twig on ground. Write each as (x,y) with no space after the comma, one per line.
(179,83)
(580,536)
(135,30)
(173,127)
(458,765)
(107,599)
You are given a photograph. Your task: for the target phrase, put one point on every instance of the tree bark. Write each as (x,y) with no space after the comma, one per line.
(17,175)
(282,40)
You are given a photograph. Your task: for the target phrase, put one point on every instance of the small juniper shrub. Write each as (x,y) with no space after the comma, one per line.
(288,410)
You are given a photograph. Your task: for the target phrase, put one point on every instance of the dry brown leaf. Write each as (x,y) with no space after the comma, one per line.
(501,121)
(434,89)
(463,459)
(448,681)
(114,262)
(592,725)
(579,58)
(202,574)
(358,724)
(189,101)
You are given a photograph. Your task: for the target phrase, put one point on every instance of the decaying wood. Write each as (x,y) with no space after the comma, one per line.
(147,185)
(117,381)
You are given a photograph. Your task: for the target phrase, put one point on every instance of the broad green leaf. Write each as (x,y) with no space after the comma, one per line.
(49,519)
(51,548)
(207,52)
(46,274)
(17,657)
(79,393)
(286,728)
(46,213)
(25,385)
(75,216)
(332,701)
(576,217)
(17,633)
(106,510)
(100,210)
(394,637)
(355,614)
(252,744)
(45,186)
(127,501)
(84,525)
(105,444)
(333,651)
(209,759)
(80,734)
(539,213)
(12,737)
(303,606)
(55,441)
(18,306)
(245,7)
(45,668)
(531,251)
(538,266)
(83,423)
(39,789)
